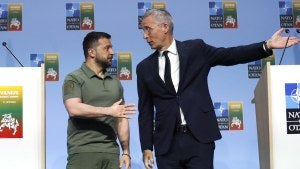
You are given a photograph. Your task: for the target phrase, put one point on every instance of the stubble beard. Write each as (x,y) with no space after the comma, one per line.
(103,63)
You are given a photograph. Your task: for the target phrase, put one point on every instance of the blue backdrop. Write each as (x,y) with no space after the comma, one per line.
(44,32)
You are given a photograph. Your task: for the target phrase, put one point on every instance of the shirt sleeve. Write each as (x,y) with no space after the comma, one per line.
(71,88)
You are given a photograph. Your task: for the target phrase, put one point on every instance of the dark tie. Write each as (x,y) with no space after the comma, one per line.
(168,78)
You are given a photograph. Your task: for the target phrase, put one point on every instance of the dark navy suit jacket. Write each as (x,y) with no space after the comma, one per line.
(158,106)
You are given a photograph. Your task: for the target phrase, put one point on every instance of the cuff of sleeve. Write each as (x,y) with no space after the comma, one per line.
(266,49)
(125,154)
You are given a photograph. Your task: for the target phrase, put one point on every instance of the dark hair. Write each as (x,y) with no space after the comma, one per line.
(91,39)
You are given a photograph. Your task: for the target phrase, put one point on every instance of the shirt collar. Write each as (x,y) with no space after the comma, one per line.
(172,48)
(90,73)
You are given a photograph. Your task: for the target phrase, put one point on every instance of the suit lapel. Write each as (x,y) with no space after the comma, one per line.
(183,58)
(155,71)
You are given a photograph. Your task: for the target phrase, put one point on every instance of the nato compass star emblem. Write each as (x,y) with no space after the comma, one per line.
(1,11)
(221,109)
(295,95)
(292,91)
(292,95)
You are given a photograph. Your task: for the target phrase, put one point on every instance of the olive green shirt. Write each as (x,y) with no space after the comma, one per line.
(92,134)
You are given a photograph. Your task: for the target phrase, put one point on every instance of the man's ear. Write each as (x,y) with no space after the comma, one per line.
(91,52)
(165,27)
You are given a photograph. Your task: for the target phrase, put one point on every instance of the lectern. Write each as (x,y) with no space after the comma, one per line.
(22,117)
(277,105)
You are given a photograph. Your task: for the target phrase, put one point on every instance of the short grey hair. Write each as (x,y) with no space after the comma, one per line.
(161,16)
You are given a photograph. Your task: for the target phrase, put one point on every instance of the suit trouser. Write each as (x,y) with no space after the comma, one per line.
(187,153)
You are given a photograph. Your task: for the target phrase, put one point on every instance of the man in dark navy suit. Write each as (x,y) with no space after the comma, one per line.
(176,114)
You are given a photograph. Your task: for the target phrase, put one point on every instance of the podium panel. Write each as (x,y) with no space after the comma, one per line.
(22,117)
(277,104)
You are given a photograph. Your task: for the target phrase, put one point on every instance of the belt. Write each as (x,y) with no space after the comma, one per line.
(183,128)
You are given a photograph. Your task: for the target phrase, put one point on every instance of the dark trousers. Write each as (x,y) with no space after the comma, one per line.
(187,153)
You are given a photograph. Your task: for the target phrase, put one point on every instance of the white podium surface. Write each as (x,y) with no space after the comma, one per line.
(278,149)
(28,151)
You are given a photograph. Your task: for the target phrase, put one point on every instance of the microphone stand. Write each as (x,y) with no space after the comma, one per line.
(287,40)
(4,44)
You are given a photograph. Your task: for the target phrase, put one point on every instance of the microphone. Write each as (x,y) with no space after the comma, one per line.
(4,44)
(287,40)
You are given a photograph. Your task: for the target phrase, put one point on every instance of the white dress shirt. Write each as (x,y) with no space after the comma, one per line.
(174,61)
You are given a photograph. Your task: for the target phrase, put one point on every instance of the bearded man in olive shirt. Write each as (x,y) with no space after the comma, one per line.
(97,113)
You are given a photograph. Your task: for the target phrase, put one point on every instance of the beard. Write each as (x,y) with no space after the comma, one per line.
(104,63)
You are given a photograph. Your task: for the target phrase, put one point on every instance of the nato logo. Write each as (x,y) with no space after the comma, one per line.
(221,110)
(292,97)
(285,8)
(286,14)
(3,17)
(72,10)
(72,16)
(3,11)
(113,69)
(215,8)
(143,7)
(216,14)
(36,60)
